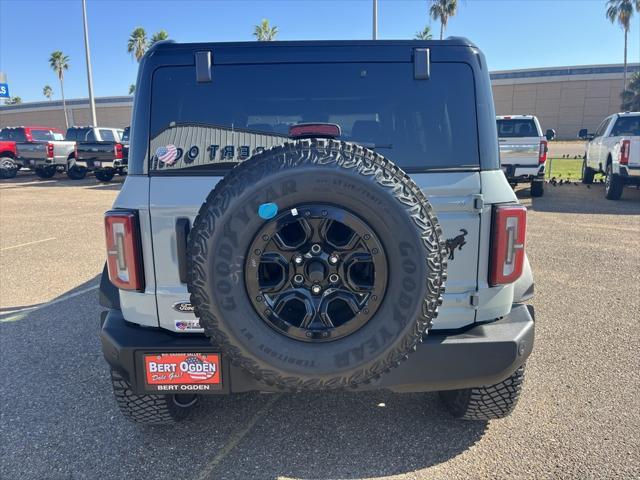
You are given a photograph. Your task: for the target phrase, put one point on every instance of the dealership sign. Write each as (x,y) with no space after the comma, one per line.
(4,90)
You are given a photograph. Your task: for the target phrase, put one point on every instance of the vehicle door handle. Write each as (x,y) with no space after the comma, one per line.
(182,234)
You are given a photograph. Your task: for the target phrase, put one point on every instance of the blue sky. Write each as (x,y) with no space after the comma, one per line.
(512,33)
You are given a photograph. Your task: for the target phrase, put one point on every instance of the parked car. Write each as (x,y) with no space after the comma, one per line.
(41,149)
(297,235)
(97,149)
(613,150)
(8,166)
(105,157)
(523,150)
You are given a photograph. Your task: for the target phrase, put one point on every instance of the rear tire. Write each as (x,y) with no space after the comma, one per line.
(8,169)
(613,185)
(485,403)
(76,173)
(587,173)
(537,188)
(150,409)
(45,172)
(105,175)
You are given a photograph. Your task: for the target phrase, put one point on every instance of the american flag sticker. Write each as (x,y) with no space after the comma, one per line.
(168,154)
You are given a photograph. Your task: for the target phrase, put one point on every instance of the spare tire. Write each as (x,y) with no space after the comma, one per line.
(316,264)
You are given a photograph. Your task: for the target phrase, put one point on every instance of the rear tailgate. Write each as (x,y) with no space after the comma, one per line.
(520,151)
(634,156)
(94,153)
(30,152)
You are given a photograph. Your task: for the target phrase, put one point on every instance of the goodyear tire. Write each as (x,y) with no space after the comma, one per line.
(613,184)
(485,403)
(389,229)
(76,173)
(150,409)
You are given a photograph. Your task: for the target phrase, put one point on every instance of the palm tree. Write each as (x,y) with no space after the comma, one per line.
(631,96)
(424,34)
(622,11)
(132,89)
(442,10)
(264,32)
(137,44)
(59,62)
(14,101)
(158,36)
(47,91)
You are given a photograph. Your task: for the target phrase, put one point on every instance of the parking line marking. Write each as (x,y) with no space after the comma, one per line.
(27,244)
(21,312)
(236,438)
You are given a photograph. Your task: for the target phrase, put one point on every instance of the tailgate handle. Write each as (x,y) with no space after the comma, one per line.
(203,67)
(182,232)
(421,64)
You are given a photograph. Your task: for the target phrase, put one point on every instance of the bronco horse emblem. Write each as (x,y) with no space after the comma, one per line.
(456,242)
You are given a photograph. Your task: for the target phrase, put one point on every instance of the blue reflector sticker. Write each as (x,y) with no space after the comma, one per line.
(268,210)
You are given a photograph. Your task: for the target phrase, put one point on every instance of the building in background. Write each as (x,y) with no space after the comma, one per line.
(563,98)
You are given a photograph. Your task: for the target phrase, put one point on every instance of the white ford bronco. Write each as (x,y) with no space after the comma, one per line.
(292,216)
(523,150)
(613,150)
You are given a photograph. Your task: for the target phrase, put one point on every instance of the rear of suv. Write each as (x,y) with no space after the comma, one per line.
(297,232)
(523,150)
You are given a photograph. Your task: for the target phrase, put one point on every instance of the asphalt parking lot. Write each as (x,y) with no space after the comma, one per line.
(579,416)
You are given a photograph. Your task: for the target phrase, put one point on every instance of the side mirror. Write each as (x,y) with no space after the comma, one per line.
(583,133)
(550,134)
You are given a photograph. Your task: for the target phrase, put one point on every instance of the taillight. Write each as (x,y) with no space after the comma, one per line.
(75,151)
(624,152)
(507,244)
(542,152)
(117,150)
(50,151)
(124,254)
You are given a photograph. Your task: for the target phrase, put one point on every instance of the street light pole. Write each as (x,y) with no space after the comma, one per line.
(92,101)
(375,19)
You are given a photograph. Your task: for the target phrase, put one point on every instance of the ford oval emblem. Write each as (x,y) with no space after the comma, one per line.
(183,307)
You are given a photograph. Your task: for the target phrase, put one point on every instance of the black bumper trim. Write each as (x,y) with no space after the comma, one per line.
(481,355)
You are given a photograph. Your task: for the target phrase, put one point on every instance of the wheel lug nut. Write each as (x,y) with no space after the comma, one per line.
(334,278)
(316,249)
(298,278)
(259,298)
(333,259)
(309,334)
(316,289)
(367,236)
(298,260)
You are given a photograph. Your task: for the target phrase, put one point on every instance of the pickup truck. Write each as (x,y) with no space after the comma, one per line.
(8,166)
(613,150)
(103,151)
(299,235)
(523,150)
(41,149)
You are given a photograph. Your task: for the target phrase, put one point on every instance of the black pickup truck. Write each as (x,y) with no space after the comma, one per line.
(104,156)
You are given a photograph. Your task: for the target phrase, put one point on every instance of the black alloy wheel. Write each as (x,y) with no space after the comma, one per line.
(322,273)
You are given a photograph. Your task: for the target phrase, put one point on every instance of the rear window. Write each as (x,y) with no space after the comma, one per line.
(107,135)
(13,134)
(626,126)
(521,127)
(42,135)
(80,135)
(419,124)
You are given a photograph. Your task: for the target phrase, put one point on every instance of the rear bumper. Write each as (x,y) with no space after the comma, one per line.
(479,356)
(99,165)
(523,173)
(631,173)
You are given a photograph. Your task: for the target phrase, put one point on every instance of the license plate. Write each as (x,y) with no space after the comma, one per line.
(97,164)
(32,162)
(182,372)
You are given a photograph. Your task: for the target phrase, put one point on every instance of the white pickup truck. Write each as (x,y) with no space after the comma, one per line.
(614,150)
(523,150)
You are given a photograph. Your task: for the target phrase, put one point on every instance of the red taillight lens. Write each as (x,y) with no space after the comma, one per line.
(50,150)
(542,153)
(624,152)
(507,244)
(117,150)
(75,151)
(124,254)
